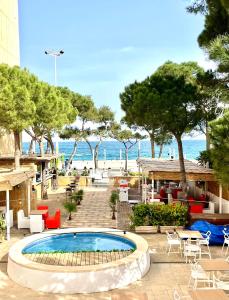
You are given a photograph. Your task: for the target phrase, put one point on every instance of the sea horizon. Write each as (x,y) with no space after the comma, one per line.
(114,150)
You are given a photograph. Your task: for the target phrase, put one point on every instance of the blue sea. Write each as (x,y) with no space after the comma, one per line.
(110,150)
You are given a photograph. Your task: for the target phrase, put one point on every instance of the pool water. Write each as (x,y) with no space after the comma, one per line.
(77,242)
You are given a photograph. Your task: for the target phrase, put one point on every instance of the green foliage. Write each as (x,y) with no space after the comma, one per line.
(220,150)
(61,172)
(85,173)
(205,158)
(114,198)
(80,251)
(134,102)
(81,193)
(216,18)
(127,137)
(219,52)
(155,214)
(77,197)
(2,224)
(17,110)
(70,207)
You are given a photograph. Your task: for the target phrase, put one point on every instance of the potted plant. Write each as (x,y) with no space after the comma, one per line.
(2,228)
(70,207)
(76,197)
(145,218)
(114,198)
(173,217)
(81,193)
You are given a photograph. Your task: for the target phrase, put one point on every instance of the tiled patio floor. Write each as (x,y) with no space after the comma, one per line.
(165,274)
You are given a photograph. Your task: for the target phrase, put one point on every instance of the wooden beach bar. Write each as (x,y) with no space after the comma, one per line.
(159,171)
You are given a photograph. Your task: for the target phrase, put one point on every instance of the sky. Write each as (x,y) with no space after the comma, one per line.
(107,44)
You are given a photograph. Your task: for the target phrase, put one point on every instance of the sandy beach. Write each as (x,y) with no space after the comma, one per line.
(105,164)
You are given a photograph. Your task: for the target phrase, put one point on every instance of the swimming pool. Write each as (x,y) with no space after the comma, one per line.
(54,278)
(80,242)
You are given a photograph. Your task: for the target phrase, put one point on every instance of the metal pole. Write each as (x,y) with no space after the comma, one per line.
(152,192)
(220,198)
(29,196)
(139,178)
(7,215)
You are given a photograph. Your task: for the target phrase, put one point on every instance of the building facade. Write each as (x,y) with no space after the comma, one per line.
(9,32)
(9,54)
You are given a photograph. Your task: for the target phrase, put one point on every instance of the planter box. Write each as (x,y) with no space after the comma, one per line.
(146,229)
(163,229)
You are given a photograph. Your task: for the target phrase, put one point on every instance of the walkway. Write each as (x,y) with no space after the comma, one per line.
(94,210)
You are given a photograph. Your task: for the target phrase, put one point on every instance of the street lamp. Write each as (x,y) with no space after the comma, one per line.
(55,54)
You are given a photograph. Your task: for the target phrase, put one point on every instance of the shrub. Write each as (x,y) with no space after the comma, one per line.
(70,207)
(163,215)
(114,198)
(77,196)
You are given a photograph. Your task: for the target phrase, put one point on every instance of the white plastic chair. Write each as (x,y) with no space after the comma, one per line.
(226,240)
(205,242)
(22,221)
(221,283)
(191,250)
(173,241)
(198,275)
(36,223)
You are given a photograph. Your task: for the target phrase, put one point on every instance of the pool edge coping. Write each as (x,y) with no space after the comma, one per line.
(15,253)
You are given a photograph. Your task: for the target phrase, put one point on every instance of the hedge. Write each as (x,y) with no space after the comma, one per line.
(163,215)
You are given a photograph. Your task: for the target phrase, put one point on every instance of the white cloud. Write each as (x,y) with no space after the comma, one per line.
(206,63)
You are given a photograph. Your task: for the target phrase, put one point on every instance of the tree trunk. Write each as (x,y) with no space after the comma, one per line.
(96,155)
(48,148)
(31,146)
(181,160)
(90,147)
(44,193)
(51,144)
(207,137)
(17,148)
(152,144)
(72,155)
(160,151)
(126,160)
(41,146)
(33,140)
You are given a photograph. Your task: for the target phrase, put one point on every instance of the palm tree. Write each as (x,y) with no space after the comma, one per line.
(113,201)
(70,207)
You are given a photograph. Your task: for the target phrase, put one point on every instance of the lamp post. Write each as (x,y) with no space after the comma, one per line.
(55,54)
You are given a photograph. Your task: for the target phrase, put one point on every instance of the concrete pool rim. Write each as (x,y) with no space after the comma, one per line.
(138,262)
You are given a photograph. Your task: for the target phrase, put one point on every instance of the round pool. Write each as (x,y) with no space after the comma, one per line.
(78,242)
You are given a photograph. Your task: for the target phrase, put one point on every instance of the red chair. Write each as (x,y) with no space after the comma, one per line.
(163,193)
(43,207)
(196,208)
(190,199)
(53,222)
(175,192)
